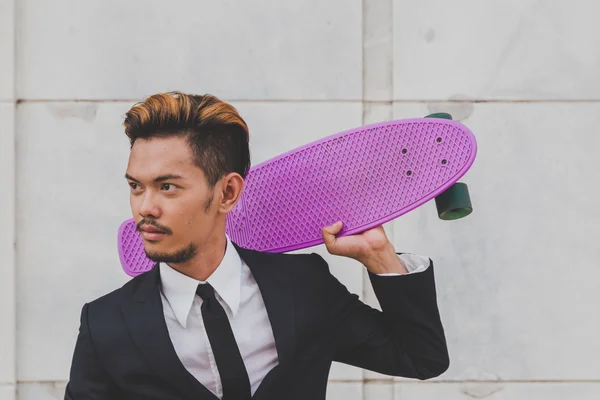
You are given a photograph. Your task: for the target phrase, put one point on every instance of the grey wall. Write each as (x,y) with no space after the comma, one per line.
(517,280)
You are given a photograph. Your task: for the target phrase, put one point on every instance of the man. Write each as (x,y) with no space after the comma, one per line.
(213,320)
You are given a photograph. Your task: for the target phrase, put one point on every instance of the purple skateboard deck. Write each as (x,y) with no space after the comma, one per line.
(364,177)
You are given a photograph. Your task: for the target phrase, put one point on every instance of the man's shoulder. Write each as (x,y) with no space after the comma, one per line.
(245,252)
(291,263)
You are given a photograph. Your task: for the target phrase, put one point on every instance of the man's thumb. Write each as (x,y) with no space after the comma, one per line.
(329,233)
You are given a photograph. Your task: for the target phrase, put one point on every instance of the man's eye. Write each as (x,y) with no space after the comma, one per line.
(167,186)
(133,185)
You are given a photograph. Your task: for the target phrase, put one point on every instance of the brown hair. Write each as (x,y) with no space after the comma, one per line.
(216,133)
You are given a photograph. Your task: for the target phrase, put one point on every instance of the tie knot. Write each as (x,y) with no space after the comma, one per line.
(205,291)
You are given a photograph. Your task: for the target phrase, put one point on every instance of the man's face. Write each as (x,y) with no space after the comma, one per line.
(171,202)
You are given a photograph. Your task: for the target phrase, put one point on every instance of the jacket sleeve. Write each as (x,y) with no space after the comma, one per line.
(405,339)
(88,379)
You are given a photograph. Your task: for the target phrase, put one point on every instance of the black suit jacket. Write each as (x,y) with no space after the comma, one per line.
(123,350)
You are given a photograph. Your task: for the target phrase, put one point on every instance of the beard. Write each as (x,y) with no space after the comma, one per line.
(179,256)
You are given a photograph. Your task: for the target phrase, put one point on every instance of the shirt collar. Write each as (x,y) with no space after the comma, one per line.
(180,289)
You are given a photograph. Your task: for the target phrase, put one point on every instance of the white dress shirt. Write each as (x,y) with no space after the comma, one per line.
(238,293)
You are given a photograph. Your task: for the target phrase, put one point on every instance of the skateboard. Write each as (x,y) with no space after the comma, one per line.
(364,177)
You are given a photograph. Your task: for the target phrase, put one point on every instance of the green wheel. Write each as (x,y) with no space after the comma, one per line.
(439,115)
(454,203)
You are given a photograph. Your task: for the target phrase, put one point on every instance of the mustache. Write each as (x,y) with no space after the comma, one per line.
(155,224)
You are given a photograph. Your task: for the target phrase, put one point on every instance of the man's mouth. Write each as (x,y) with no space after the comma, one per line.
(150,232)
(152,235)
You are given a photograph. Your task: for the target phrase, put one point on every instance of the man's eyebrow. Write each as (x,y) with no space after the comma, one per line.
(167,177)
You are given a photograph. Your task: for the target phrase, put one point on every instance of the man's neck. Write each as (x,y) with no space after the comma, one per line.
(206,260)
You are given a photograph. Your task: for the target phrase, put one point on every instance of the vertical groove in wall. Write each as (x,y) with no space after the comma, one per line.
(13,191)
(14,199)
(14,51)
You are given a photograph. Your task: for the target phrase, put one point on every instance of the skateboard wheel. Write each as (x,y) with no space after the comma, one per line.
(454,203)
(439,115)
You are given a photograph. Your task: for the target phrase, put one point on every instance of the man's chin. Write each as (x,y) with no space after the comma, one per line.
(182,255)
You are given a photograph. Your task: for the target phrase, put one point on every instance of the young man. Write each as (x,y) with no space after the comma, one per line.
(214,320)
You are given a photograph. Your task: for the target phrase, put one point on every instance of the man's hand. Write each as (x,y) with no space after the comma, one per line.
(372,248)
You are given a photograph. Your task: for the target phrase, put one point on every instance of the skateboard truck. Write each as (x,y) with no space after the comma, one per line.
(455,202)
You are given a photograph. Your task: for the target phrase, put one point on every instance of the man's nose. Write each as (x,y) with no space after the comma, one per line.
(150,206)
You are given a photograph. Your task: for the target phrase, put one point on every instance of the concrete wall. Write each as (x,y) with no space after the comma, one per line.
(517,280)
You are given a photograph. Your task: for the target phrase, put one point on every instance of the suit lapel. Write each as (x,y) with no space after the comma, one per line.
(143,315)
(276,289)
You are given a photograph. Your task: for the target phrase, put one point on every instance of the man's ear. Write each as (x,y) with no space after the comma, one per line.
(231,191)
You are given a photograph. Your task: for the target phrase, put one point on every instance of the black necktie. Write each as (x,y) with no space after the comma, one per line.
(234,377)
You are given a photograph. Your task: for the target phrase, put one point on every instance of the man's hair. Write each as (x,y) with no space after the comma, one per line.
(216,133)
